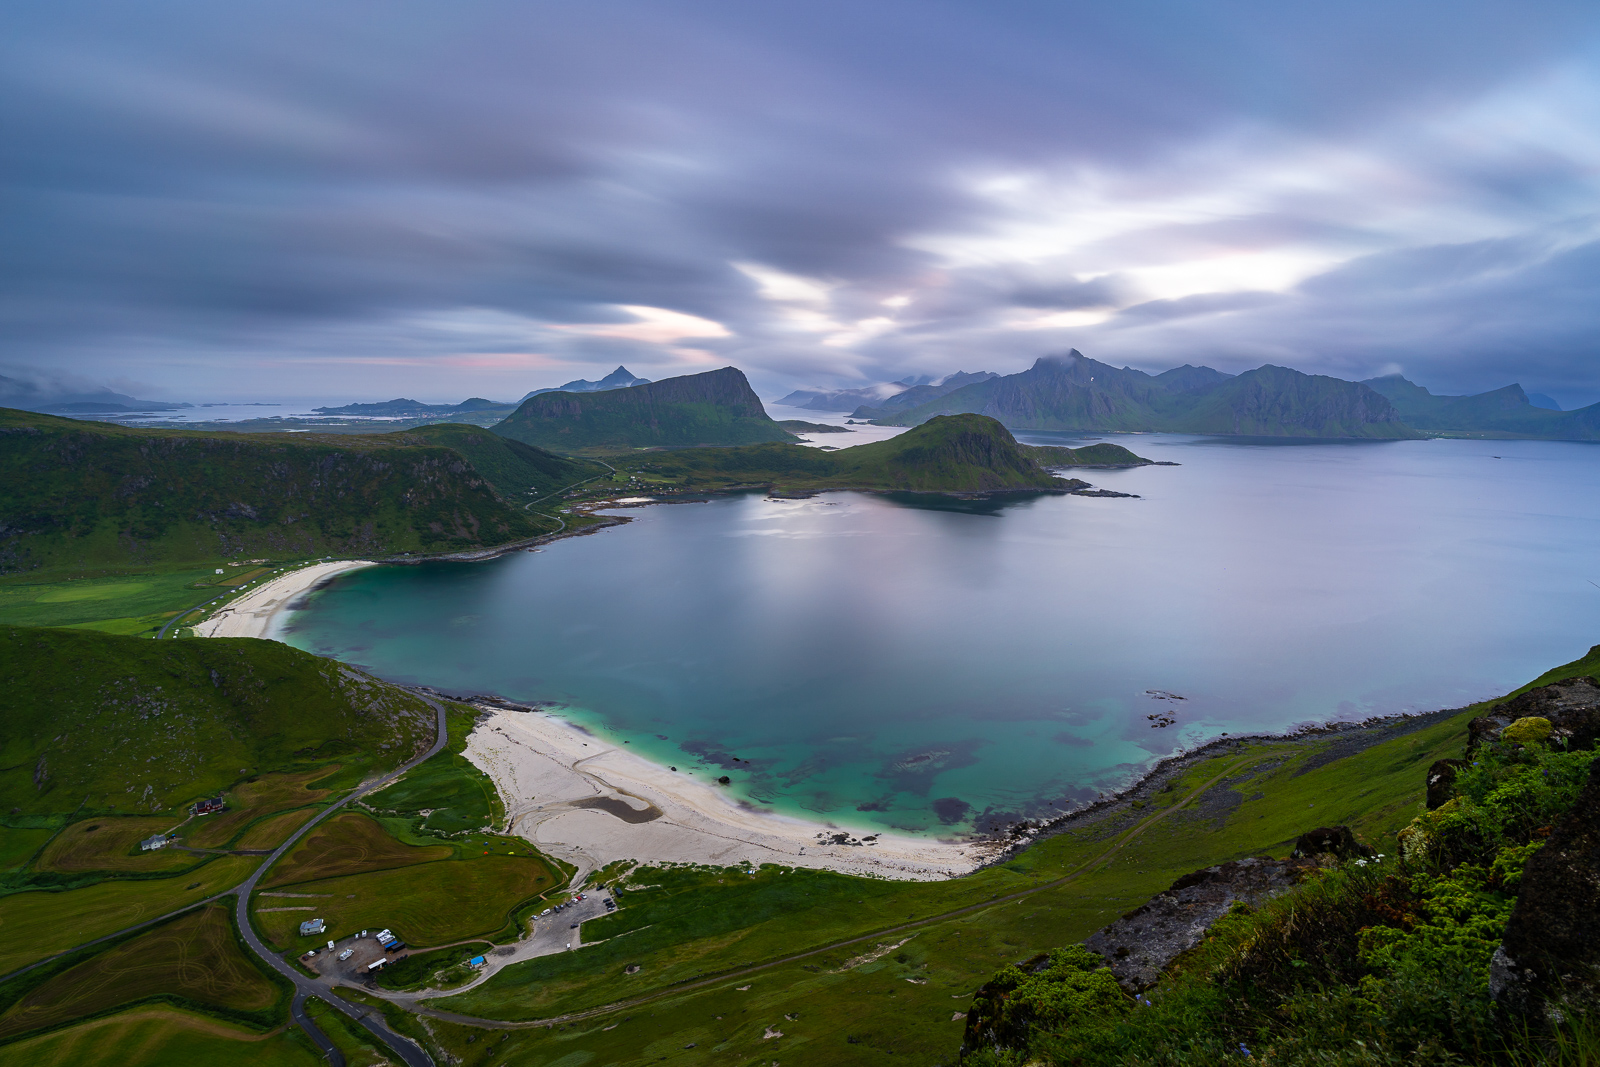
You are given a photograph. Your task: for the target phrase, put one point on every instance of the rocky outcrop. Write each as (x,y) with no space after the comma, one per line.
(1572,707)
(1139,946)
(1442,781)
(1330,843)
(1548,966)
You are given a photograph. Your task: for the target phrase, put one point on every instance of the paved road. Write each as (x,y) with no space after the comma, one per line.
(409,1051)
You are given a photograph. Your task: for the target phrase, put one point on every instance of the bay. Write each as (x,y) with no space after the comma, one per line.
(933,665)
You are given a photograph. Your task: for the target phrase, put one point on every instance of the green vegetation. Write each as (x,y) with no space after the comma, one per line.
(447,795)
(135,603)
(92,495)
(195,961)
(111,843)
(360,1048)
(99,724)
(954,453)
(714,408)
(516,470)
(252,802)
(348,843)
(161,1037)
(1077,393)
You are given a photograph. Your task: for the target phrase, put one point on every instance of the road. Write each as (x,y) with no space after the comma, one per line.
(409,1051)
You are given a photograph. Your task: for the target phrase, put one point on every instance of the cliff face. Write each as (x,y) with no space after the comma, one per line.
(714,408)
(1074,392)
(85,494)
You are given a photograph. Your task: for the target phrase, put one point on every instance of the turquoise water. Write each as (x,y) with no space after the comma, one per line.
(926,664)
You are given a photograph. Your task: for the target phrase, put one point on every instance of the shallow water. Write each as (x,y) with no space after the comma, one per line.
(916,662)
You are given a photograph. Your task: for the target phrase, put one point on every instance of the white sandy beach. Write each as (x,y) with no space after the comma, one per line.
(591,803)
(260,612)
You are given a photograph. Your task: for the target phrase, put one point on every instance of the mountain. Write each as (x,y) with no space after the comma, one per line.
(1074,392)
(841,399)
(1507,410)
(714,408)
(621,378)
(403,408)
(515,470)
(76,494)
(952,453)
(920,394)
(1539,400)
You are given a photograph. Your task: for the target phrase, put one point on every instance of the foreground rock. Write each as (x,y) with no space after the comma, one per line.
(1549,963)
(1571,706)
(1139,946)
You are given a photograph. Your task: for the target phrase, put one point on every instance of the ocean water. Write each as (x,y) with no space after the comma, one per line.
(930,665)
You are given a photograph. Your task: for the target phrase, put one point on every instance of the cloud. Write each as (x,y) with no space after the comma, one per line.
(500,195)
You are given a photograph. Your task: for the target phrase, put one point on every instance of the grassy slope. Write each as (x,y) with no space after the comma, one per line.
(516,470)
(96,723)
(900,1007)
(86,494)
(714,408)
(161,1037)
(956,453)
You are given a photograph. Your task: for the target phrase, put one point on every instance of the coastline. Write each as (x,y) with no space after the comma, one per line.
(261,612)
(591,803)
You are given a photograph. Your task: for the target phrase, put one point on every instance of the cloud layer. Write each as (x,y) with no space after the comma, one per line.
(297,199)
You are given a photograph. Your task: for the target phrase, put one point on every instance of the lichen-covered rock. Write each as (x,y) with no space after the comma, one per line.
(1527,731)
(1571,707)
(1442,781)
(1139,946)
(1549,962)
(1332,841)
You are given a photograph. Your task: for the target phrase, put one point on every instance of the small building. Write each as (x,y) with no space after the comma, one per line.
(208,806)
(311,926)
(476,961)
(154,841)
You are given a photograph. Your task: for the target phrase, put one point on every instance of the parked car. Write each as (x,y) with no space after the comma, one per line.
(346,954)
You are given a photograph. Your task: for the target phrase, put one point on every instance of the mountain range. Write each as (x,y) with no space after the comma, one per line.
(621,378)
(1507,411)
(403,408)
(55,397)
(887,396)
(1076,393)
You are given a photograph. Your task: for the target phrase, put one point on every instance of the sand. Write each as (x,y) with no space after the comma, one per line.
(591,803)
(263,611)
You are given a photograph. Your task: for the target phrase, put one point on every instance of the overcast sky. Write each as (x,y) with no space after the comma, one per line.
(222,200)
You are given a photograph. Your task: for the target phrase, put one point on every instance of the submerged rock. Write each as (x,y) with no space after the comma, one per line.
(1139,946)
(1549,963)
(1572,708)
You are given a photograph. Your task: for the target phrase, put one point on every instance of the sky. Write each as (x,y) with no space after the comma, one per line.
(360,200)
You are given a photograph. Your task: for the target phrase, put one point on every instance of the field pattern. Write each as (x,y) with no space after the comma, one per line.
(103,844)
(161,1037)
(274,830)
(426,904)
(38,924)
(195,957)
(350,843)
(251,800)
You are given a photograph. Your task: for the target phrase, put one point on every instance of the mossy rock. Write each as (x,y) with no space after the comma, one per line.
(1527,731)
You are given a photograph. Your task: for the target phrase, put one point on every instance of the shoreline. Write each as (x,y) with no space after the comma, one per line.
(591,803)
(261,612)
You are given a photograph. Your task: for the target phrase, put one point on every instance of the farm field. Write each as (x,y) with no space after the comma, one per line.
(249,801)
(120,603)
(274,830)
(424,904)
(19,843)
(455,795)
(348,843)
(103,843)
(161,1037)
(195,957)
(38,924)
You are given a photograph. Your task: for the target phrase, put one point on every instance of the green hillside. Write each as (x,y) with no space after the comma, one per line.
(952,453)
(89,494)
(515,470)
(714,408)
(1076,393)
(100,723)
(1499,412)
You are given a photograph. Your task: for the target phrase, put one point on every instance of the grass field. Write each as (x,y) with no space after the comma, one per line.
(425,904)
(161,1037)
(111,843)
(348,843)
(195,957)
(36,924)
(19,843)
(249,801)
(131,603)
(274,830)
(456,796)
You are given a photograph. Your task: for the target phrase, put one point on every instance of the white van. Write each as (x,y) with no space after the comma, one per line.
(346,954)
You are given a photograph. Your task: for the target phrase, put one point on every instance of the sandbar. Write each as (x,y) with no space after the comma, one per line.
(263,611)
(591,803)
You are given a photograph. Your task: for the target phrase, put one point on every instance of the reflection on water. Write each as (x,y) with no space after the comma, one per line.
(917,662)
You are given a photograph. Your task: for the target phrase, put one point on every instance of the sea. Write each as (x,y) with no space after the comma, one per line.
(936,666)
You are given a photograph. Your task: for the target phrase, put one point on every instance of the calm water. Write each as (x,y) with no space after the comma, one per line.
(904,663)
